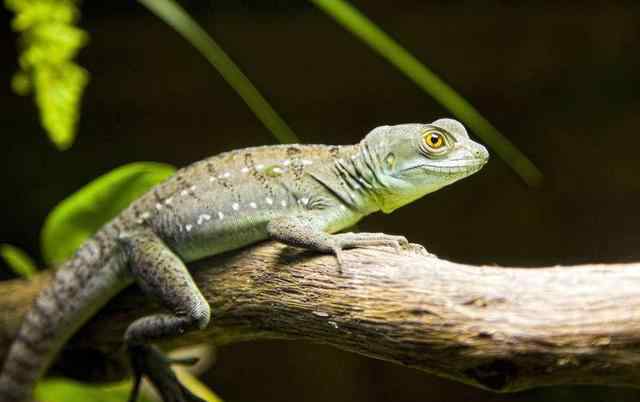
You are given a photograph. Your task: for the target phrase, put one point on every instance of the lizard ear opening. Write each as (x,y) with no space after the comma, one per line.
(390,161)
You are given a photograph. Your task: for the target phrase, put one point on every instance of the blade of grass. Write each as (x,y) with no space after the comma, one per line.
(359,25)
(174,16)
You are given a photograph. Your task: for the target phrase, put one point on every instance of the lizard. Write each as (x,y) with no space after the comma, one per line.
(300,195)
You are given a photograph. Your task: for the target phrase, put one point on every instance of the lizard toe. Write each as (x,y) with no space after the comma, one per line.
(150,362)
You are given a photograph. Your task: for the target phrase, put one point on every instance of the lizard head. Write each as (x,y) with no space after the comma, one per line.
(412,160)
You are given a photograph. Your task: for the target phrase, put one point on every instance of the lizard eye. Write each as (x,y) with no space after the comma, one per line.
(434,141)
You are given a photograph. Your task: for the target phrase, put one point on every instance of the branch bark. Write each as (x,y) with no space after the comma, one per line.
(503,329)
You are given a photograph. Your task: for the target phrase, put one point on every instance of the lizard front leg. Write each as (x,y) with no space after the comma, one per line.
(305,232)
(162,275)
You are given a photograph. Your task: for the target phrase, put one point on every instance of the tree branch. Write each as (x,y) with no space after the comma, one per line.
(504,329)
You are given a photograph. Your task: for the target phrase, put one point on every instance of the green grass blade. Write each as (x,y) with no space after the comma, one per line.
(174,16)
(358,24)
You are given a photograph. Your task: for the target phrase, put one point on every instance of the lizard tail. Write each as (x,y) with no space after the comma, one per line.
(76,293)
(24,363)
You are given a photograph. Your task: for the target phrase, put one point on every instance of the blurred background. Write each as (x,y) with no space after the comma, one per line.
(560,81)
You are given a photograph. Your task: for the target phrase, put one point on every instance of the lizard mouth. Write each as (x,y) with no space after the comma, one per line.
(450,167)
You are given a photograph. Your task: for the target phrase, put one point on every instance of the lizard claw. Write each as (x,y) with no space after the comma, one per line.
(337,251)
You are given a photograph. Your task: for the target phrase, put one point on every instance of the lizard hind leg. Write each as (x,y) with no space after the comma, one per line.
(162,275)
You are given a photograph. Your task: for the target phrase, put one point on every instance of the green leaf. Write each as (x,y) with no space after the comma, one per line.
(173,15)
(21,83)
(59,90)
(84,212)
(63,390)
(49,41)
(18,260)
(359,25)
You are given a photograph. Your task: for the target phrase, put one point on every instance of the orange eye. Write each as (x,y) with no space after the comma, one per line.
(433,140)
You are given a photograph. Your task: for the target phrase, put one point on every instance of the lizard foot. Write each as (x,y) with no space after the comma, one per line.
(363,240)
(149,361)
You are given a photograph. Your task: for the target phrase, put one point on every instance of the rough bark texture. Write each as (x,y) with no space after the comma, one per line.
(503,329)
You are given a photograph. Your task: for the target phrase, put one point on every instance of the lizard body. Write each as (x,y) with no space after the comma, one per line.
(297,194)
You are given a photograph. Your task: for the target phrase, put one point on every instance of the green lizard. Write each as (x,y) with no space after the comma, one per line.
(297,194)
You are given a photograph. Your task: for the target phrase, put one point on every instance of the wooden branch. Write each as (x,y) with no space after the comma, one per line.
(503,329)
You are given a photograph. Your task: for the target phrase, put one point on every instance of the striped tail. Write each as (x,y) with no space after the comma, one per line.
(77,292)
(26,359)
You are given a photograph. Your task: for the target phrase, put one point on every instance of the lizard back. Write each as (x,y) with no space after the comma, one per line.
(224,202)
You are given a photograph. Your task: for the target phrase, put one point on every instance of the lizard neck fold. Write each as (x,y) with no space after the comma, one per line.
(356,178)
(363,177)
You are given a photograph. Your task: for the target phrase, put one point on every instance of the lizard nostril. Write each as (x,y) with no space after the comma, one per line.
(481,153)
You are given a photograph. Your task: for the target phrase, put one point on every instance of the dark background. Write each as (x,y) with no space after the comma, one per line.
(561,81)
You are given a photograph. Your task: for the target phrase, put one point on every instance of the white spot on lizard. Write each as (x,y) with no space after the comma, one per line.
(235,206)
(188,227)
(269,200)
(283,203)
(220,215)
(253,205)
(203,218)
